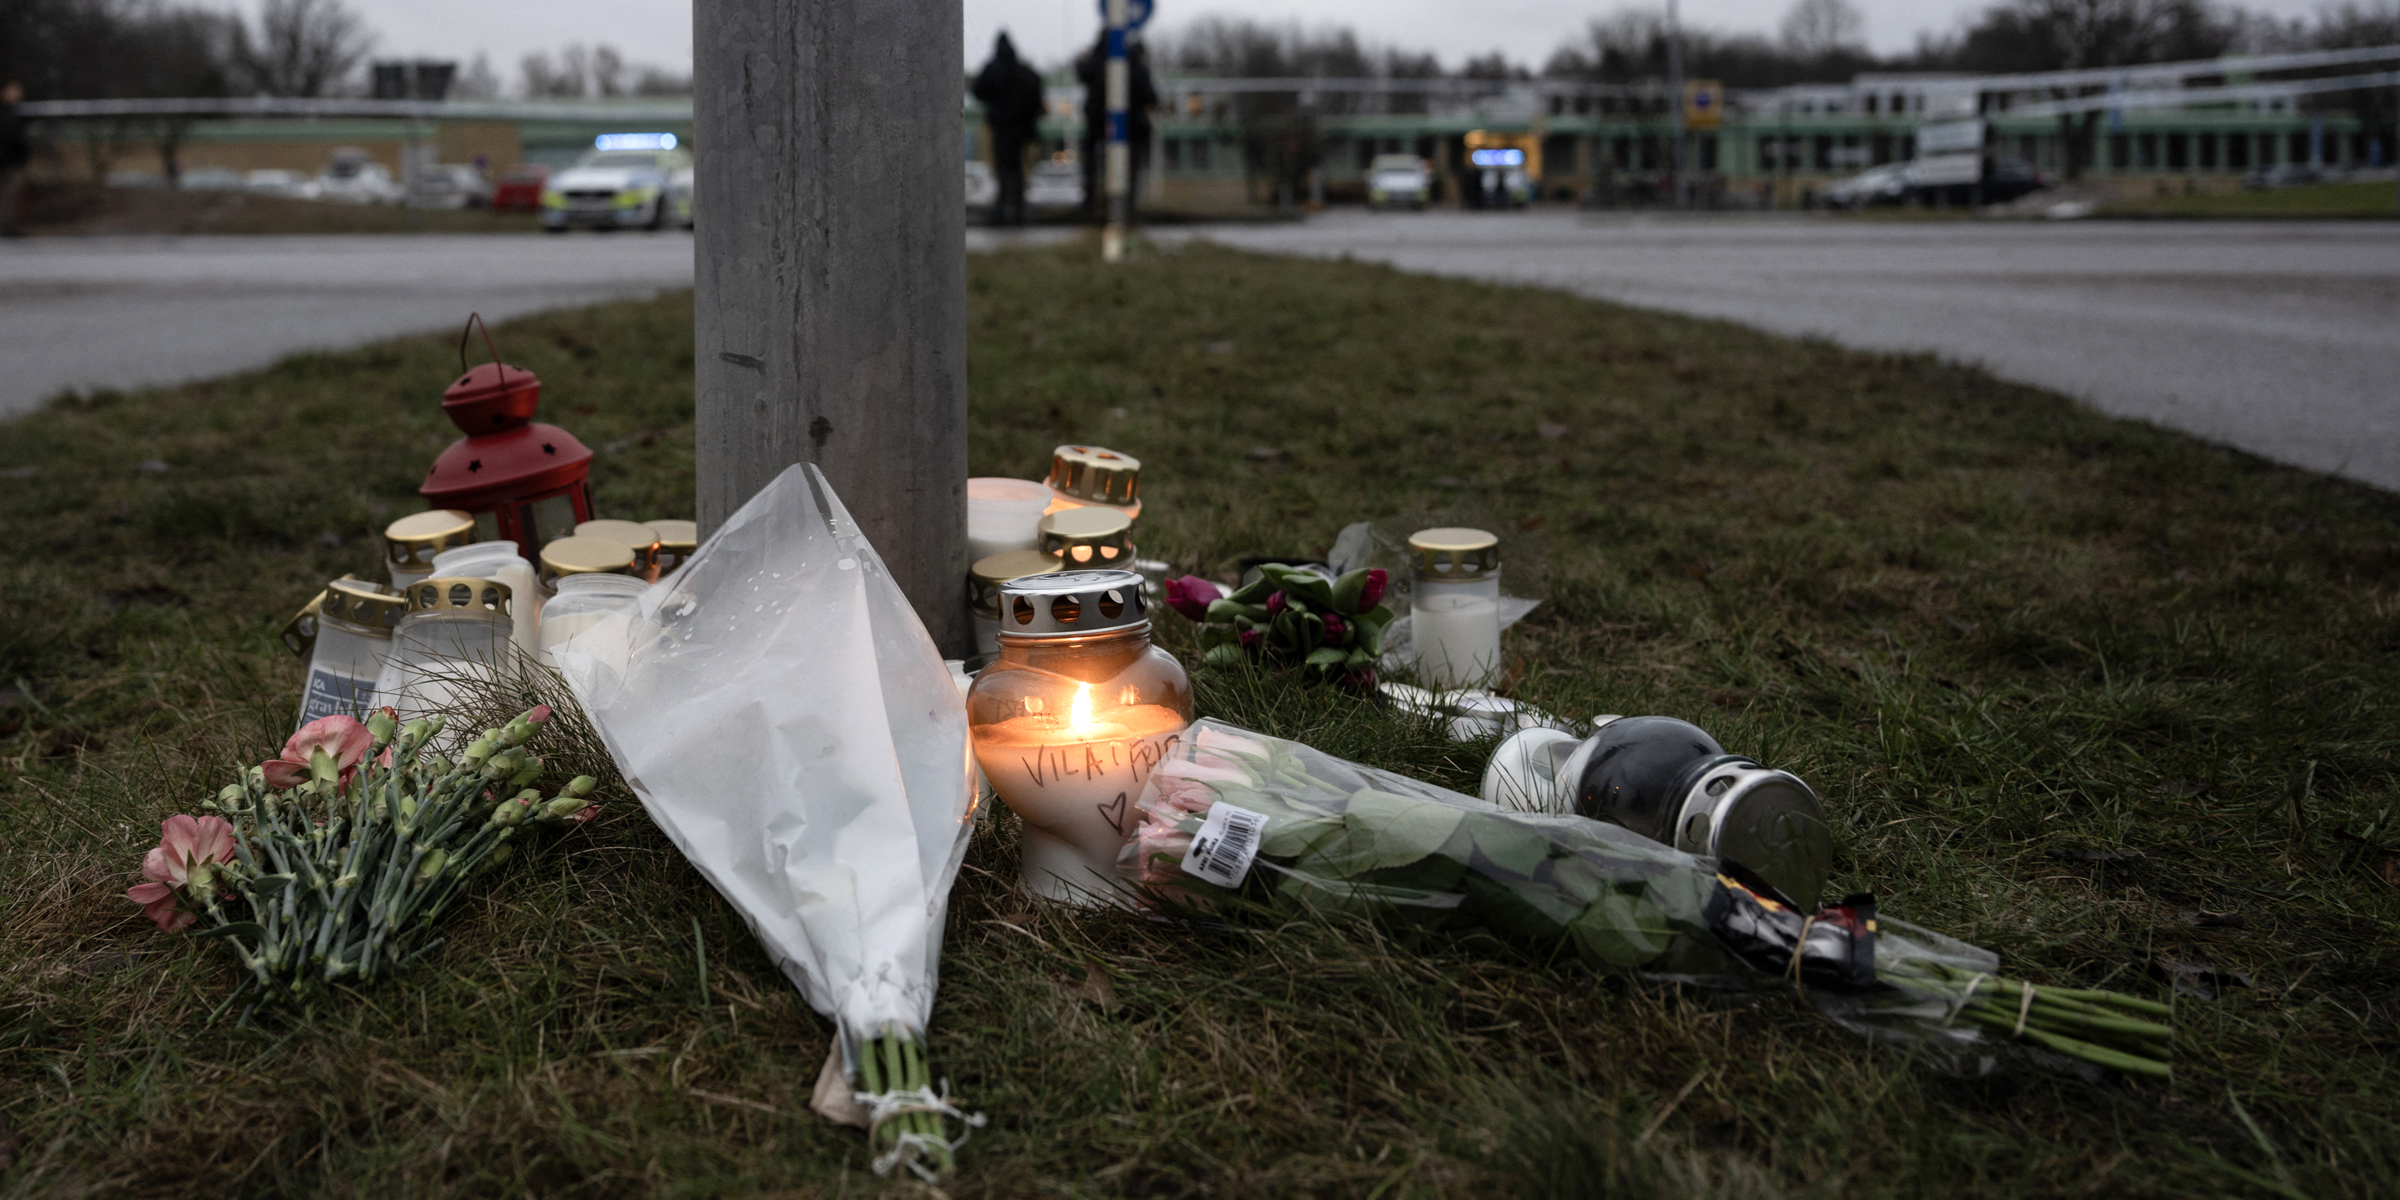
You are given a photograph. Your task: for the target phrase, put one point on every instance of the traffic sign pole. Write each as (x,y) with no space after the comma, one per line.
(1119,163)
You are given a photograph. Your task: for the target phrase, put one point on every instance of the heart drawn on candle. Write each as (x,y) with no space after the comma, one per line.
(1114,810)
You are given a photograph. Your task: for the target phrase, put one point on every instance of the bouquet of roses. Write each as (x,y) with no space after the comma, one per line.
(1329,627)
(335,862)
(1234,818)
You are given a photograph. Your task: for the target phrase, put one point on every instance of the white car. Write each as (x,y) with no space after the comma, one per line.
(212,179)
(983,187)
(1054,184)
(290,185)
(1887,184)
(354,178)
(1398,181)
(626,181)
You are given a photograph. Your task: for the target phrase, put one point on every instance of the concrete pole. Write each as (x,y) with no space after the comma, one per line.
(1119,164)
(831,273)
(1675,100)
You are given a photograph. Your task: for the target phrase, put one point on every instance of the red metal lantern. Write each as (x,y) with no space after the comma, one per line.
(523,480)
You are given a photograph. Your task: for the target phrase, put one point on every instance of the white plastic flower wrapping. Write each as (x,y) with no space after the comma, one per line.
(783,715)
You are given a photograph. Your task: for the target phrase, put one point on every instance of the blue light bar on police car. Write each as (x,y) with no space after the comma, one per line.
(634,141)
(1498,158)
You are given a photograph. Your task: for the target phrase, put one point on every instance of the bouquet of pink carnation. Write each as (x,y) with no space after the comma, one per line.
(335,861)
(1292,617)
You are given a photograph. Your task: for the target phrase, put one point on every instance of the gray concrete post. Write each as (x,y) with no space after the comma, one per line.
(831,272)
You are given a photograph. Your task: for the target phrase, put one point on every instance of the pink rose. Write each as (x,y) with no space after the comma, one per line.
(1334,630)
(1372,594)
(187,847)
(341,739)
(1191,596)
(1182,794)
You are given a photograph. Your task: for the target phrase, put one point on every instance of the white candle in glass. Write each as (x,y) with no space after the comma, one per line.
(1457,637)
(1073,780)
(1003,515)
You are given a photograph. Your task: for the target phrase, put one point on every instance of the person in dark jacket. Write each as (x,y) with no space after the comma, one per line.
(1011,95)
(15,151)
(1141,96)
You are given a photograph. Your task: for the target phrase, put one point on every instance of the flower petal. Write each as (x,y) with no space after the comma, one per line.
(147,894)
(280,774)
(162,868)
(215,840)
(339,736)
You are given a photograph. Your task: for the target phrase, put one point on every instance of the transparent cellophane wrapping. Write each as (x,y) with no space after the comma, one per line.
(1349,838)
(784,716)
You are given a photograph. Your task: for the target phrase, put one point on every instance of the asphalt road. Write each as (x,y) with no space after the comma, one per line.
(2280,338)
(126,311)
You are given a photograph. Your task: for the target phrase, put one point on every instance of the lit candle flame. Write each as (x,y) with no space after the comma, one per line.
(1079,717)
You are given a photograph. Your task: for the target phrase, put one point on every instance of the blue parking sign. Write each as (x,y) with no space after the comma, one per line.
(1137,13)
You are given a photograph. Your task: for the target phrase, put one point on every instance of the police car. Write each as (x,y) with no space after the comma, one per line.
(625,181)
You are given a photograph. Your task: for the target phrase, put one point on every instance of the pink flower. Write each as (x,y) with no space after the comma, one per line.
(539,715)
(341,739)
(1276,604)
(1191,596)
(1334,630)
(1362,679)
(187,847)
(1372,594)
(1251,637)
(584,815)
(1183,794)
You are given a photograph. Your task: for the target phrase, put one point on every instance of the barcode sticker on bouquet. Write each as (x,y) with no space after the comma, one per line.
(1226,845)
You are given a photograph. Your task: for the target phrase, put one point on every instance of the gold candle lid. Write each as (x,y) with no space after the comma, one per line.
(300,633)
(413,540)
(630,534)
(1096,474)
(360,606)
(992,570)
(678,538)
(1453,554)
(458,594)
(1088,538)
(585,556)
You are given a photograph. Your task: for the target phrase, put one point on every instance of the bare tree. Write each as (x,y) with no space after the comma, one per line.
(1819,28)
(608,70)
(562,79)
(302,47)
(477,82)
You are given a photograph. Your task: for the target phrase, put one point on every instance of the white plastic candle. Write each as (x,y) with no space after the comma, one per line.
(1058,773)
(1002,515)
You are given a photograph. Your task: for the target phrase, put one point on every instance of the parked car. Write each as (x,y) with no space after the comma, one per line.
(289,185)
(354,178)
(1887,184)
(625,181)
(1398,180)
(520,188)
(983,187)
(2286,175)
(1054,184)
(449,185)
(679,190)
(2004,179)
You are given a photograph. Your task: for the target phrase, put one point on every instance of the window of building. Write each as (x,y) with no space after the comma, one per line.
(2119,151)
(1174,154)
(1899,102)
(2266,149)
(2237,152)
(1366,152)
(1822,158)
(1649,153)
(1200,154)
(2145,151)
(1708,152)
(1871,102)
(2298,151)
(2207,148)
(2179,152)
(1880,149)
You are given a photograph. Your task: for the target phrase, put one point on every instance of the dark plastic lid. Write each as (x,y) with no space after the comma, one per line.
(1635,774)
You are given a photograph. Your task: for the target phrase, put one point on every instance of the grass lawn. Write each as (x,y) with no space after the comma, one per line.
(2109,701)
(2361,200)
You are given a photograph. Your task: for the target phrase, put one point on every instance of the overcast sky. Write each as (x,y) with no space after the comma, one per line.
(659,32)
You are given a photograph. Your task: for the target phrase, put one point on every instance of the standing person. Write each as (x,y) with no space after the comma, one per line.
(1011,95)
(1141,95)
(15,151)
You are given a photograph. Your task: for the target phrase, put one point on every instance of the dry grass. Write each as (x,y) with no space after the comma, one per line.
(2091,694)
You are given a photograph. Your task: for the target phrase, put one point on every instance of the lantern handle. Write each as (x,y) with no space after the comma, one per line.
(474,319)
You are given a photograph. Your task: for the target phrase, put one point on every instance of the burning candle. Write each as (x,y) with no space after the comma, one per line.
(1070,719)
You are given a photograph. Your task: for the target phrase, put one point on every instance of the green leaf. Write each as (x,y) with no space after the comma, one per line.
(1619,930)
(240,929)
(1509,845)
(1378,618)
(1224,654)
(1256,591)
(1348,589)
(1326,656)
(1359,659)
(269,885)
(1382,830)
(1300,584)
(1226,610)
